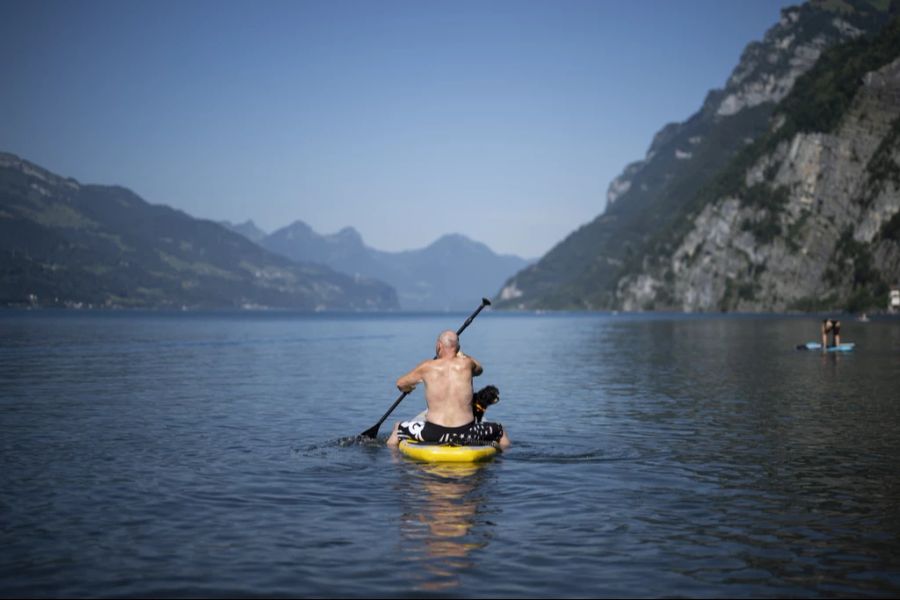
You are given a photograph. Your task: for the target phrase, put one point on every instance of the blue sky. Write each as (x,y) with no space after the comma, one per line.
(503,121)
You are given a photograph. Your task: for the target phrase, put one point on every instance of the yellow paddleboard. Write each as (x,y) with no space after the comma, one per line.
(444,453)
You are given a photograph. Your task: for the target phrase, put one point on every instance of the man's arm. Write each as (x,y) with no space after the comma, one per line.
(476,366)
(408,382)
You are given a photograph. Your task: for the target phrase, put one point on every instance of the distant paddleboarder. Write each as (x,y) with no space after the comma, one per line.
(832,326)
(448,392)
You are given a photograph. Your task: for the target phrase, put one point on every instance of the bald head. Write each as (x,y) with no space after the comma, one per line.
(447,343)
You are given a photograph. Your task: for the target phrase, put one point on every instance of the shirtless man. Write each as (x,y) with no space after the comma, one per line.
(448,393)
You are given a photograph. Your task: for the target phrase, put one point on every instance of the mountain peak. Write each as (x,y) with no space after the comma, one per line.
(348,234)
(457,240)
(248,229)
(298,225)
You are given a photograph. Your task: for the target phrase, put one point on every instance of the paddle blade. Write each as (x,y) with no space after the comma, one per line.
(371,432)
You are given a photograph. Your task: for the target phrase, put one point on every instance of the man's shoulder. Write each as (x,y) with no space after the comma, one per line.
(465,362)
(427,365)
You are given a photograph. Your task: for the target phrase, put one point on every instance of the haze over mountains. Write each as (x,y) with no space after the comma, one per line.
(452,273)
(66,244)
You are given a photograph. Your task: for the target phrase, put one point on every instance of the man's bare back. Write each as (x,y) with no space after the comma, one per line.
(448,385)
(448,388)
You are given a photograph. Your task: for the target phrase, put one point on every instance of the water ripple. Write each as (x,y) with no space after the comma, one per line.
(153,455)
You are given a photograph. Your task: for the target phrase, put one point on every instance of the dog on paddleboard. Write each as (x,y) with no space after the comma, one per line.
(484,398)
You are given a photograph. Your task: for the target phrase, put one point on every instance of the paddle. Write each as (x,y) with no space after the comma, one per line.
(373,431)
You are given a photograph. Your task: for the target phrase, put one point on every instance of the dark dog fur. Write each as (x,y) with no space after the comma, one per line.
(484,398)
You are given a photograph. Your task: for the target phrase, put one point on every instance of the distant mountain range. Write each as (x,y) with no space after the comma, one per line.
(780,193)
(63,243)
(453,273)
(248,229)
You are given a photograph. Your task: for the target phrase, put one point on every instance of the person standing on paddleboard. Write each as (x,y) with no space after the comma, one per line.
(448,393)
(832,326)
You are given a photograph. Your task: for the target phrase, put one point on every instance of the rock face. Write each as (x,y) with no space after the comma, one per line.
(647,203)
(813,223)
(768,70)
(67,244)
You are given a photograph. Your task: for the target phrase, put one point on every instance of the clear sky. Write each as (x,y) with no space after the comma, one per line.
(503,121)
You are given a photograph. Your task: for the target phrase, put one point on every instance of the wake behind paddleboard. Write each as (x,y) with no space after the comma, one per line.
(817,346)
(444,453)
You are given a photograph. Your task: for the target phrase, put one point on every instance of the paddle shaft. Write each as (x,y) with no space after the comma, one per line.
(373,431)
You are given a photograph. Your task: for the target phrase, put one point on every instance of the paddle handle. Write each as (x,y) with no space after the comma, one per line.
(484,302)
(371,432)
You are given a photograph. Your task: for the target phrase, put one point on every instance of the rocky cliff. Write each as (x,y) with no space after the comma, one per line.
(613,261)
(808,217)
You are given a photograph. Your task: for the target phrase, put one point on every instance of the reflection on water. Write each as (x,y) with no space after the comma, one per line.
(440,523)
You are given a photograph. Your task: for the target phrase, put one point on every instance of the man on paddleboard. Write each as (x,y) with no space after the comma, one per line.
(448,393)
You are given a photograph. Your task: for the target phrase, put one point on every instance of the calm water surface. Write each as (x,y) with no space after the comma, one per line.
(206,455)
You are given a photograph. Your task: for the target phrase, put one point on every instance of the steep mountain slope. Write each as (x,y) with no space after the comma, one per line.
(807,217)
(650,197)
(451,274)
(67,244)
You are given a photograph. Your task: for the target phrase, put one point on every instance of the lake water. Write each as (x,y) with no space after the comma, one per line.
(192,454)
